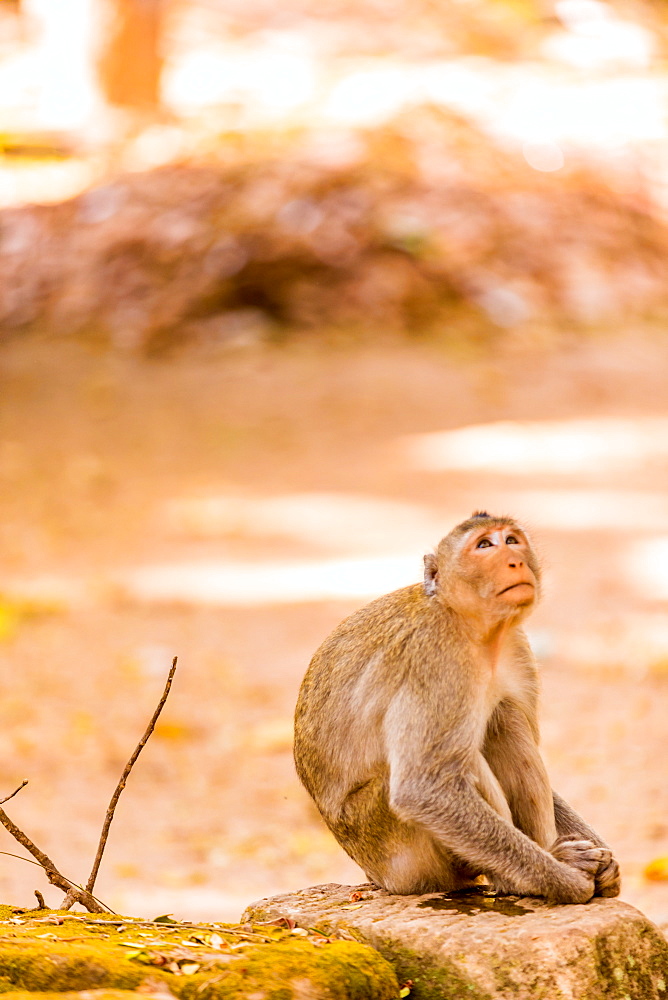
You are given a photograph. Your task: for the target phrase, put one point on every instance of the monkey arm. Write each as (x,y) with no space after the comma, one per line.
(512,751)
(432,785)
(459,819)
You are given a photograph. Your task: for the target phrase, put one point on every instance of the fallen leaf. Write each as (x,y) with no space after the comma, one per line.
(347,906)
(189,968)
(657,870)
(166,918)
(148,957)
(279,922)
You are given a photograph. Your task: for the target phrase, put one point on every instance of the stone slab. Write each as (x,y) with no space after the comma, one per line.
(481,947)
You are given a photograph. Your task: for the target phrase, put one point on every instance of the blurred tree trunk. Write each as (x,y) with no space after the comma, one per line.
(131,60)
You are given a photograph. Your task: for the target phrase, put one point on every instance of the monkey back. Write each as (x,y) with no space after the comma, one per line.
(349,683)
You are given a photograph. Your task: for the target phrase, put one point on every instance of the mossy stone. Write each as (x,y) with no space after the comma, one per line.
(39,958)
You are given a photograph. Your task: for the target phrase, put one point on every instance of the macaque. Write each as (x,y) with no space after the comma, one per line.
(416,733)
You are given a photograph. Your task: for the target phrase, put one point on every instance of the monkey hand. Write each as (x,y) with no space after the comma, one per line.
(585,857)
(607,878)
(581,854)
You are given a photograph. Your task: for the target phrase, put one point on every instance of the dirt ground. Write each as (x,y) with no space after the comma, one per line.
(231,508)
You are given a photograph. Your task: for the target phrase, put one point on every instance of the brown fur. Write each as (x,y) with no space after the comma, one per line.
(416,733)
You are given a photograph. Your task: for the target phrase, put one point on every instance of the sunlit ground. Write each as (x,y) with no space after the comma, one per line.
(590,446)
(231,513)
(373,544)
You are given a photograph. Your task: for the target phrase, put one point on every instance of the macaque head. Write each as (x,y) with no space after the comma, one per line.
(485,564)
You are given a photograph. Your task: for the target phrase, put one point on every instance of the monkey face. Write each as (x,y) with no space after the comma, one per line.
(485,565)
(498,561)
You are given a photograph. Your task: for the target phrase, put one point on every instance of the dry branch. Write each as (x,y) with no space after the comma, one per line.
(15,792)
(124,777)
(54,876)
(76,893)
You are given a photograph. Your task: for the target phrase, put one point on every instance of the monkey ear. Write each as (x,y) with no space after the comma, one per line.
(430,574)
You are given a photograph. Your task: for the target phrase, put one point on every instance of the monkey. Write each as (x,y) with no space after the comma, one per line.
(416,733)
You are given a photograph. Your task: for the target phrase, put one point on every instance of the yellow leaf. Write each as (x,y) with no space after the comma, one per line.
(657,870)
(353,906)
(172,732)
(8,621)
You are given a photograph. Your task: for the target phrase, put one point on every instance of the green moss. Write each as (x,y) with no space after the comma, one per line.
(344,970)
(104,994)
(512,978)
(620,966)
(625,964)
(41,958)
(430,981)
(631,972)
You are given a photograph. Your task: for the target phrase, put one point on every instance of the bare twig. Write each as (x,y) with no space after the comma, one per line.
(41,905)
(15,792)
(75,893)
(37,864)
(124,777)
(82,896)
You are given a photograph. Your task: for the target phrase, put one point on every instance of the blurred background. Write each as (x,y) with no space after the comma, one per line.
(286,291)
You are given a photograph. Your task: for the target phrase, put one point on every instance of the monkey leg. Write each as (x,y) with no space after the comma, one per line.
(420,864)
(490,789)
(514,761)
(400,857)
(512,754)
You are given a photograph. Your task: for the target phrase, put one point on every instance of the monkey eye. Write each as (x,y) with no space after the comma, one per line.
(484,543)
(511,540)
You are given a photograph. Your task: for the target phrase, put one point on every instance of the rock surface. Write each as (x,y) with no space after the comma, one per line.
(482,947)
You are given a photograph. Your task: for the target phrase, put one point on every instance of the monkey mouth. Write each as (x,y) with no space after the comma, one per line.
(520,583)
